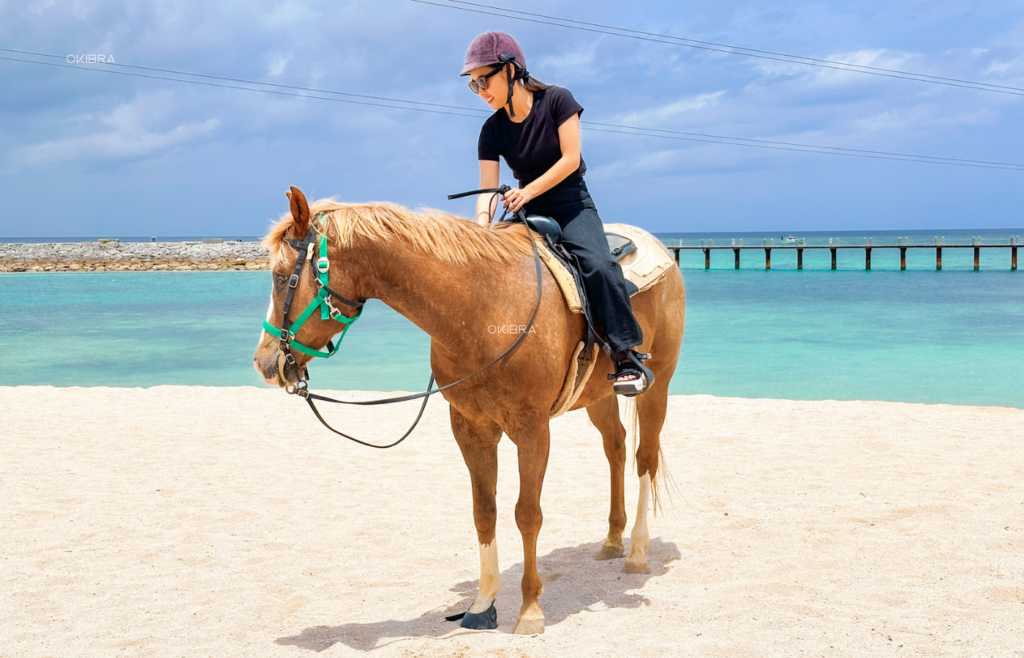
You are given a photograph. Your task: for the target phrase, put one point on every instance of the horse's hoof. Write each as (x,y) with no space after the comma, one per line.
(530,626)
(609,552)
(486,620)
(636,565)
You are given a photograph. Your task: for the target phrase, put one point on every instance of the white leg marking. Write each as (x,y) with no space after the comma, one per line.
(490,577)
(640,537)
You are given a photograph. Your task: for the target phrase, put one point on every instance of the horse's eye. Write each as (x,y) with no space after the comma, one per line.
(280,280)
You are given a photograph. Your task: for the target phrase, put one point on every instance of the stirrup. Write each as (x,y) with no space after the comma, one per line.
(632,365)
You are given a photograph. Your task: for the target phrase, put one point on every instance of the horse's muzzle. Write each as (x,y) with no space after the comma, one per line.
(276,369)
(267,371)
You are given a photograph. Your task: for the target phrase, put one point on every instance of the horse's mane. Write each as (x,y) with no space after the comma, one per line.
(448,237)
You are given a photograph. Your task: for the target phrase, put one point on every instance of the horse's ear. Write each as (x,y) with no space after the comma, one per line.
(300,211)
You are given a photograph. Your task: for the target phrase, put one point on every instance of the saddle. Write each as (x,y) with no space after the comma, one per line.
(643,259)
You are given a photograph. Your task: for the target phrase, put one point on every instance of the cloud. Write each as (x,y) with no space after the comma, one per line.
(686,160)
(289,14)
(116,144)
(1003,67)
(877,58)
(571,60)
(920,117)
(126,132)
(655,162)
(657,115)
(276,64)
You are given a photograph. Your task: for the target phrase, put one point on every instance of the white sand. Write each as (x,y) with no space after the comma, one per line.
(187,521)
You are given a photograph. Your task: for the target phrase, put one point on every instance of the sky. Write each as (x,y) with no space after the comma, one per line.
(84,153)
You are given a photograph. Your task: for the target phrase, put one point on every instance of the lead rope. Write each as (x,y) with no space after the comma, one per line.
(426,398)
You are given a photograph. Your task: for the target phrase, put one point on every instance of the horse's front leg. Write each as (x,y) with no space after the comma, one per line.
(479,445)
(533,442)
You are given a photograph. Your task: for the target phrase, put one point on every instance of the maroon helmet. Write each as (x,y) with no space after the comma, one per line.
(498,48)
(493,48)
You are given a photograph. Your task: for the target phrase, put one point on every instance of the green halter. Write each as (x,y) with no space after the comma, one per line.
(321,268)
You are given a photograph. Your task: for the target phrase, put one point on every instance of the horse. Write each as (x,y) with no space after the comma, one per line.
(456,281)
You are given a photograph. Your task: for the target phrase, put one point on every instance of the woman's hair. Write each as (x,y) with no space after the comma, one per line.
(533,84)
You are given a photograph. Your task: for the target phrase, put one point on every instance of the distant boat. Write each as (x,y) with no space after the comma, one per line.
(789,238)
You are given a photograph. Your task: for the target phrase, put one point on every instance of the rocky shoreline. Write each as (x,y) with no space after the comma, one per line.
(105,256)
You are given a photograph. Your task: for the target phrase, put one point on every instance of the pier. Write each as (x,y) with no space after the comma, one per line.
(868,246)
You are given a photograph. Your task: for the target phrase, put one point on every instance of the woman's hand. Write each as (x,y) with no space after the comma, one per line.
(516,198)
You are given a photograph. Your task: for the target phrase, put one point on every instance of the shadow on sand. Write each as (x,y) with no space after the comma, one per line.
(573,582)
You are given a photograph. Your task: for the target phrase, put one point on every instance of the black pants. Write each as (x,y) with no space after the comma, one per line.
(583,236)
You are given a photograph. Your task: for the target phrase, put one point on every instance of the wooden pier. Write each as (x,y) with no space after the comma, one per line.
(868,246)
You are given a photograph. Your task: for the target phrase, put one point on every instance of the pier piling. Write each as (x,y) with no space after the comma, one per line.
(868,245)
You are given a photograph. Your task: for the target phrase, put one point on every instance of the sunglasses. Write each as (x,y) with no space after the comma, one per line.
(481,83)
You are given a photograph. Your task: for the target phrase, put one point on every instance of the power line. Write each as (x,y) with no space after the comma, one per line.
(382,101)
(263,91)
(815,149)
(804,146)
(722,48)
(251,82)
(744,48)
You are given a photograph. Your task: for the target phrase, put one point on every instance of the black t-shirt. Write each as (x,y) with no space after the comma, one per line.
(531,148)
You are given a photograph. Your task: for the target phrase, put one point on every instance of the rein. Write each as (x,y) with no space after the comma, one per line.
(328,311)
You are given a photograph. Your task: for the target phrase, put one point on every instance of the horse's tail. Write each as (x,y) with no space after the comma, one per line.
(662,477)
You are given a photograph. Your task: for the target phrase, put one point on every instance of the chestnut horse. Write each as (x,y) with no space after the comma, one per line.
(457,280)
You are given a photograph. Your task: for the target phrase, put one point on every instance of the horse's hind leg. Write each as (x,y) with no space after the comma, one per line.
(479,445)
(605,416)
(651,407)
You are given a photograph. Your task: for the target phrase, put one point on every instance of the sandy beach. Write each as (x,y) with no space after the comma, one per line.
(188,521)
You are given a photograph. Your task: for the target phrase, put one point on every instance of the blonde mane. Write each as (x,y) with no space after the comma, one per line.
(447,237)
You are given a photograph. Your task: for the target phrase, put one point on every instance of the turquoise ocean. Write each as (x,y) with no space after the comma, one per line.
(955,336)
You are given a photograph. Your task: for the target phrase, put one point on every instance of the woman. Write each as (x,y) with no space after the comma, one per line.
(536,128)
